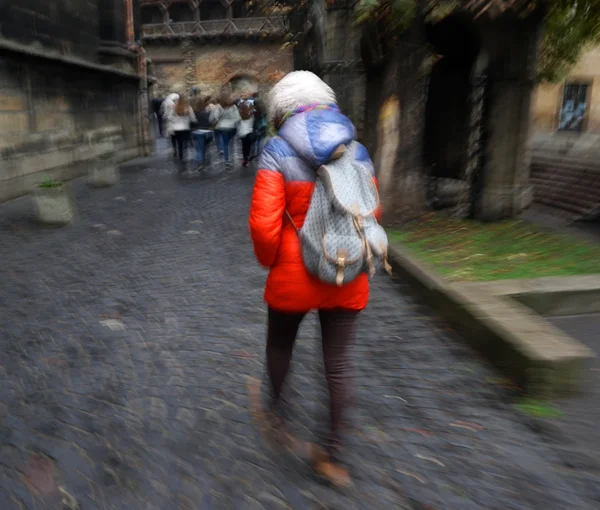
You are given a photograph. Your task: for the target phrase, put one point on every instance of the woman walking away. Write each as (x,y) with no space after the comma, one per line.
(203,133)
(181,120)
(312,132)
(260,127)
(166,111)
(157,103)
(246,130)
(225,118)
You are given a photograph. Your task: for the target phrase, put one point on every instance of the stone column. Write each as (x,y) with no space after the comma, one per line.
(471,173)
(144,115)
(189,61)
(505,190)
(400,132)
(129,23)
(342,65)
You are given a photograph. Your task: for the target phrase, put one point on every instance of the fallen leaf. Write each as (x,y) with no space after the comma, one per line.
(424,433)
(412,475)
(241,354)
(430,459)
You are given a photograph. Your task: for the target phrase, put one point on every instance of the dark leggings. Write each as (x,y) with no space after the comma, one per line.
(182,138)
(337,333)
(247,142)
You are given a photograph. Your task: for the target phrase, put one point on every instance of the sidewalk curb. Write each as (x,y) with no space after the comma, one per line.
(542,359)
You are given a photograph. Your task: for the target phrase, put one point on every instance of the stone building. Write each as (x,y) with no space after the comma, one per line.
(208,43)
(444,109)
(72,87)
(566,142)
(571,108)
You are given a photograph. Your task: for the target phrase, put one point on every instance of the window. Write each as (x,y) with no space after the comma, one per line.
(240,9)
(181,12)
(574,106)
(151,14)
(212,10)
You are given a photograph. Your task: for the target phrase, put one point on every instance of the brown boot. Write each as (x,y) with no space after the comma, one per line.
(329,470)
(270,424)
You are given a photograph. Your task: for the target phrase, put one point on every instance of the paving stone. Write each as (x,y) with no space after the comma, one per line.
(136,348)
(186,416)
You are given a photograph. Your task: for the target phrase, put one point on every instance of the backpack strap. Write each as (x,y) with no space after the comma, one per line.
(338,152)
(289,217)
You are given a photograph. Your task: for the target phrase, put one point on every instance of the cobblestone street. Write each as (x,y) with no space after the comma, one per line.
(126,341)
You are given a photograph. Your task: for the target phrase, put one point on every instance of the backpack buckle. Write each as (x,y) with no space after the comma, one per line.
(342,255)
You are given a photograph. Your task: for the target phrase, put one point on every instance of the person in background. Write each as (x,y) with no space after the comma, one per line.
(311,131)
(180,119)
(167,108)
(225,117)
(260,126)
(156,107)
(211,103)
(246,130)
(203,133)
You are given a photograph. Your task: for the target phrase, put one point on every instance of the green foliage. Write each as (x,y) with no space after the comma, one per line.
(571,26)
(396,15)
(439,9)
(47,182)
(538,408)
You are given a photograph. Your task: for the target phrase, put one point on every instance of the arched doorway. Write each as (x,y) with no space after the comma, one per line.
(451,101)
(242,84)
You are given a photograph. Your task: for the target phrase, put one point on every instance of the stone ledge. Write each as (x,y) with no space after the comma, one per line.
(540,357)
(550,296)
(33,51)
(61,156)
(40,142)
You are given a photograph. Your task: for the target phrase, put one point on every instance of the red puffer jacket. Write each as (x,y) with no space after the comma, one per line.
(285,180)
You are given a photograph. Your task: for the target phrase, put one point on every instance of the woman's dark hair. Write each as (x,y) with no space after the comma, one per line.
(226,100)
(199,104)
(246,110)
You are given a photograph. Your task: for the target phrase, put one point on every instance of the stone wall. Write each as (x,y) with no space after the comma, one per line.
(210,66)
(55,116)
(495,169)
(69,27)
(394,132)
(111,20)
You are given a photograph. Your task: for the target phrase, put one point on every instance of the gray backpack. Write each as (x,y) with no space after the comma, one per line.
(340,238)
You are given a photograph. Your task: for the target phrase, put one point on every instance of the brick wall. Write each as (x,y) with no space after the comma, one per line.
(42,101)
(215,64)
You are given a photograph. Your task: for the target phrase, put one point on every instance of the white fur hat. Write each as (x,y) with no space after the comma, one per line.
(295,89)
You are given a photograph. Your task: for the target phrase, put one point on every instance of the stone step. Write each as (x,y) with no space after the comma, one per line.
(592,165)
(556,187)
(567,183)
(591,178)
(558,203)
(564,195)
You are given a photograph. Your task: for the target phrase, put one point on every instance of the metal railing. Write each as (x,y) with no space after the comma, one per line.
(274,26)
